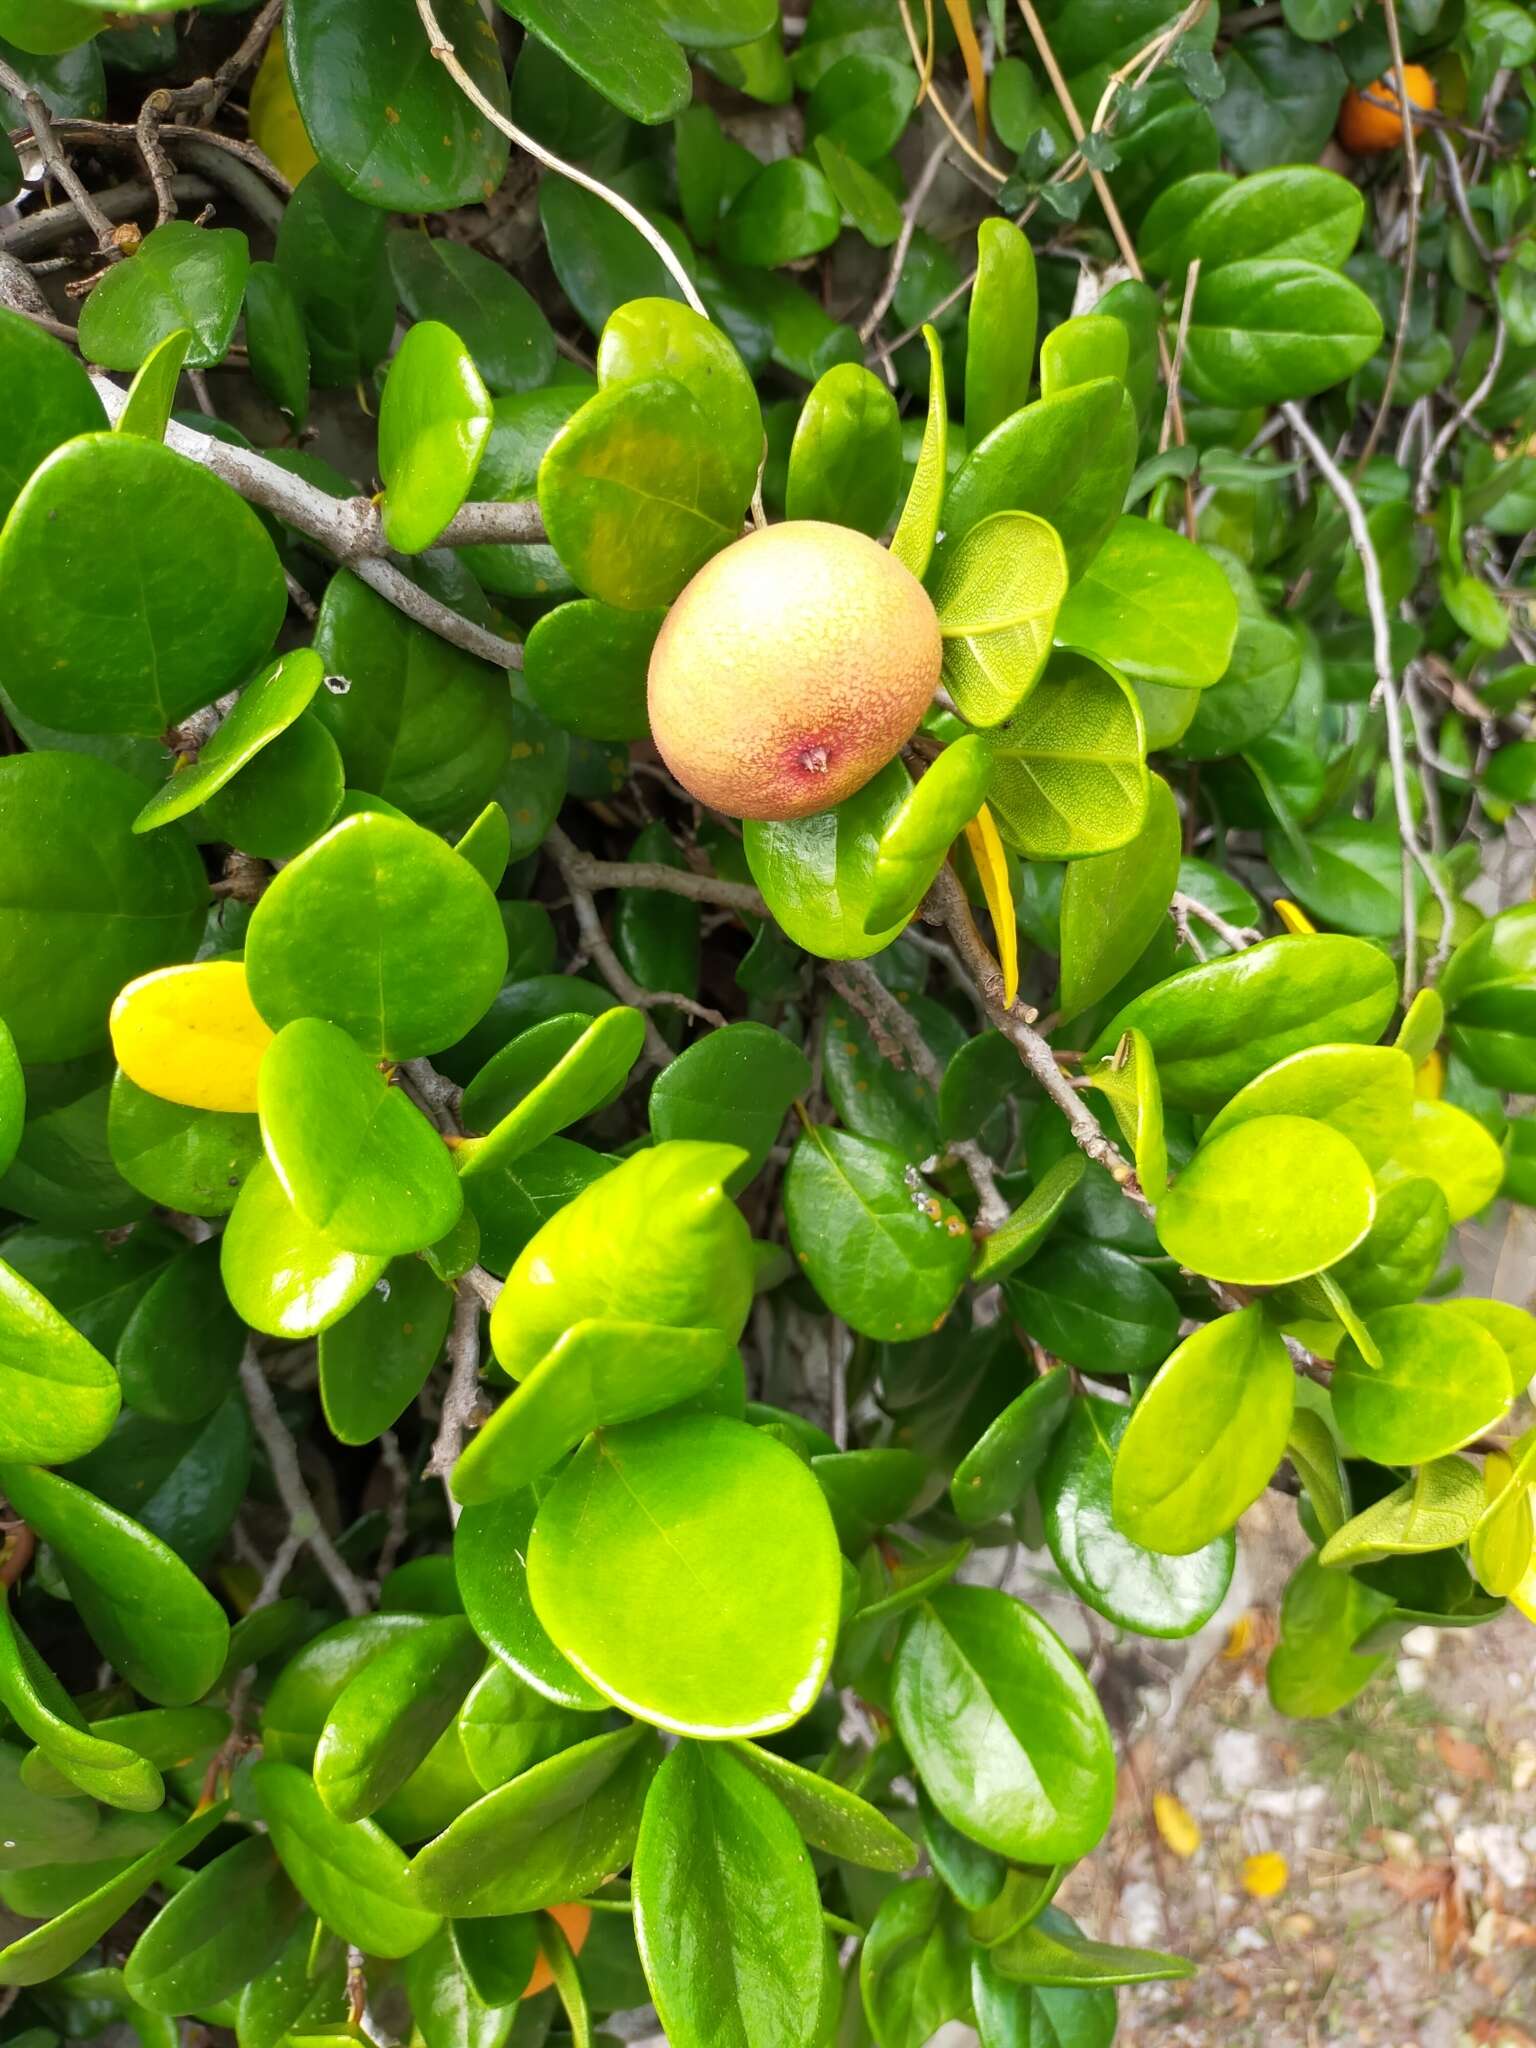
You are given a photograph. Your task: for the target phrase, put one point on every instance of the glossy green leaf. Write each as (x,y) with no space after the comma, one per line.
(434,422)
(913,845)
(727,1911)
(1051,1951)
(1317,1666)
(216,1934)
(622,52)
(375,1360)
(1093,1306)
(913,1967)
(386,120)
(997,593)
(585,665)
(81,1760)
(1443,1380)
(381,929)
(283,1275)
(884,1253)
(180,279)
(727,1543)
(1128,1078)
(1146,1590)
(918,526)
(1437,1509)
(1205,1439)
(819,874)
(649,338)
(490,1550)
(1015,1242)
(1270,1199)
(1216,1027)
(550,1835)
(1269,328)
(997,1715)
(142,648)
(276,340)
(784,213)
(146,1612)
(1299,210)
(734,1086)
(867,204)
(264,710)
(828,1815)
(1112,905)
(1014,2015)
(152,394)
(350,1874)
(355,1157)
(1000,331)
(387,1717)
(52,400)
(994,1475)
(1446,1145)
(180,1347)
(500,323)
(1363,1092)
(1069,769)
(1154,607)
(58,1396)
(845,459)
(331,251)
(637,493)
(505,1727)
(548,1077)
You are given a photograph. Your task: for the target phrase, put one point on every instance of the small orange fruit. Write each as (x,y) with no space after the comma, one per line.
(1366,129)
(791,669)
(574,1922)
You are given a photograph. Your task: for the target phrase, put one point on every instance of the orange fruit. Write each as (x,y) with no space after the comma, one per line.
(574,1922)
(791,669)
(1366,129)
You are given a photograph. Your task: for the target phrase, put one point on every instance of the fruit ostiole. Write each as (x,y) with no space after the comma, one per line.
(797,662)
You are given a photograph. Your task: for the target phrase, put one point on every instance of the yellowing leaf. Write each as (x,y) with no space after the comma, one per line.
(277,127)
(192,1034)
(1240,1637)
(1503,1544)
(1294,918)
(975,68)
(1429,1079)
(992,867)
(1265,1876)
(1176,1824)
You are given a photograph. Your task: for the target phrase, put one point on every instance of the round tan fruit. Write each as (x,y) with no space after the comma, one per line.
(791,669)
(574,1922)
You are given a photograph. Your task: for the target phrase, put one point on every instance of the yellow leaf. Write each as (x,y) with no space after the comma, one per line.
(277,127)
(992,867)
(1176,1824)
(1294,918)
(1429,1079)
(975,69)
(1265,1876)
(192,1034)
(1239,1637)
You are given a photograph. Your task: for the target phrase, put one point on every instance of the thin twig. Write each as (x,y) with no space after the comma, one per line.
(447,56)
(235,66)
(588,873)
(1238,937)
(58,166)
(283,1457)
(1411,247)
(35,232)
(618,977)
(463,1390)
(922,186)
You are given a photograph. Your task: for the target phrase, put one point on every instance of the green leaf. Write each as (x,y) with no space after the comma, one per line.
(81,1760)
(386,120)
(434,422)
(1316,1667)
(734,1087)
(1113,905)
(1015,1242)
(182,1480)
(13,1098)
(1274,328)
(264,710)
(1069,768)
(142,648)
(1216,1027)
(1363,1092)
(657,1240)
(490,1557)
(1094,1306)
(505,1727)
(1014,2015)
(356,1158)
(650,338)
(845,460)
(167,1737)
(283,1276)
(48,1951)
(550,1835)
(1269,1200)
(784,213)
(1000,328)
(867,204)
(386,1718)
(585,665)
(998,1470)
(912,1972)
(1347,873)
(828,1815)
(1281,99)
(547,1078)
(276,340)
(637,493)
(820,875)
(1298,211)
(375,1360)
(1145,1590)
(620,50)
(51,400)
(916,529)
(181,278)
(1051,1951)
(1205,1439)
(350,1874)
(381,929)
(501,324)
(145,1611)
(1446,1145)
(913,845)
(180,1347)
(330,249)
(1435,1510)
(1129,1079)
(1443,1380)
(1154,607)
(997,593)
(445,2001)
(222,1929)
(726,1540)
(58,1396)
(152,394)
(883,1251)
(718,1861)
(1007,1733)
(1067,459)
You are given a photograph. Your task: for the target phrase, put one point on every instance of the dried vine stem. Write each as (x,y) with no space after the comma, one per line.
(57,165)
(1411,247)
(445,53)
(283,1457)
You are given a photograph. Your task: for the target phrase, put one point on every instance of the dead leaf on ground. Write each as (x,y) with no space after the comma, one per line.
(1489,2032)
(1415,1882)
(1467,1759)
